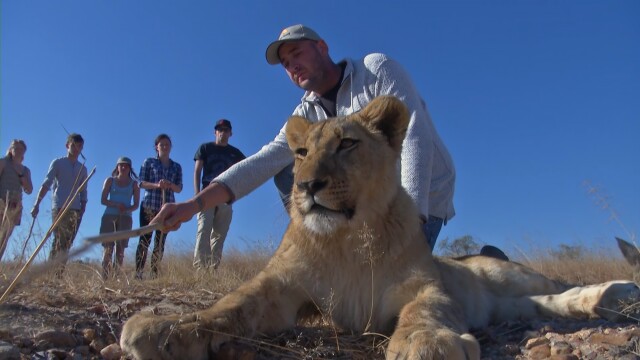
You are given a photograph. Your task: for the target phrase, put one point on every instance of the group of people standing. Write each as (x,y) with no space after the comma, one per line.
(222,175)
(160,177)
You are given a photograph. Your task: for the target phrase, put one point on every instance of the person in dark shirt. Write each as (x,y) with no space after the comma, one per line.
(212,159)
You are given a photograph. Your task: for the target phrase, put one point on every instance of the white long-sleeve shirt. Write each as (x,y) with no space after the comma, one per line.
(427,170)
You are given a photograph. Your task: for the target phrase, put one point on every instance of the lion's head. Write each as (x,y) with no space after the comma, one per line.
(346,168)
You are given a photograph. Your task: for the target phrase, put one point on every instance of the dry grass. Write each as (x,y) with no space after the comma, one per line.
(181,289)
(178,274)
(590,268)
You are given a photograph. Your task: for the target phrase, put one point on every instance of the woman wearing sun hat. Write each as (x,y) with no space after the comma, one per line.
(118,192)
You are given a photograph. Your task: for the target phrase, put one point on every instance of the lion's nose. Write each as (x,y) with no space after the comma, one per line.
(312,186)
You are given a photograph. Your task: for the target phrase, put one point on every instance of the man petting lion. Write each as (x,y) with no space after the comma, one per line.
(355,250)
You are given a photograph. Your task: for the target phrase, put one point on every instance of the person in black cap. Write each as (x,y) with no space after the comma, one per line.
(212,159)
(338,89)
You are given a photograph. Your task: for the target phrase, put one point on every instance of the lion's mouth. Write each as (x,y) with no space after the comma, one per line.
(319,209)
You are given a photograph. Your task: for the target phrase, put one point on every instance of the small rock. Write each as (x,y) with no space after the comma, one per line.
(617,339)
(540,352)
(111,352)
(56,338)
(89,334)
(57,354)
(564,357)
(632,332)
(531,343)
(561,348)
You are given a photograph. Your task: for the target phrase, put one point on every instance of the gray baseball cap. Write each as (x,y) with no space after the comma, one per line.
(124,160)
(292,33)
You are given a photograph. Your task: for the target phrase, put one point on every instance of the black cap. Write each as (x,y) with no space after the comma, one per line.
(223,123)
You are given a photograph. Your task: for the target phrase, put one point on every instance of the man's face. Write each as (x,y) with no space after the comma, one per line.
(75,148)
(163,147)
(222,134)
(304,61)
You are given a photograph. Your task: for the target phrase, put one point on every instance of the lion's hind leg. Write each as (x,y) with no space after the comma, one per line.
(606,300)
(505,278)
(432,327)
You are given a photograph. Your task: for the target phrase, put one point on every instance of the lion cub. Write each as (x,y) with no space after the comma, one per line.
(355,249)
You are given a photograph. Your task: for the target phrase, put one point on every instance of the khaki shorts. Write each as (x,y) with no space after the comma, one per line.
(112,223)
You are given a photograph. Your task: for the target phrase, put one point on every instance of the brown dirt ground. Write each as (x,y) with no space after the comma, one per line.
(46,303)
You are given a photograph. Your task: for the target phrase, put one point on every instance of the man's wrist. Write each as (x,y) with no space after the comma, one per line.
(200,203)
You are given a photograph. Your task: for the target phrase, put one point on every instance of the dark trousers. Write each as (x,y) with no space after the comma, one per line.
(284,183)
(146,215)
(431,230)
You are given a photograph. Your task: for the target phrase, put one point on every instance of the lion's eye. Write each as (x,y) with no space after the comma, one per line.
(300,153)
(346,144)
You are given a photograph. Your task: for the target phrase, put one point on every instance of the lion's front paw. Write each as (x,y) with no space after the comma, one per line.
(433,344)
(147,336)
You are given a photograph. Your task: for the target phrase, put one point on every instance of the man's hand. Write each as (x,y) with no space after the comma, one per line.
(163,184)
(172,215)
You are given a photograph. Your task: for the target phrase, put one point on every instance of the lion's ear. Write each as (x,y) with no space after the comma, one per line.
(389,116)
(296,131)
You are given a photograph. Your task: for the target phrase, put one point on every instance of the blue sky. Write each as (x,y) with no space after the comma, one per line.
(532,98)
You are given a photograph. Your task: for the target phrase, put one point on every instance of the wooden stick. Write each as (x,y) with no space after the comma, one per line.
(49,232)
(109,237)
(123,234)
(24,246)
(4,226)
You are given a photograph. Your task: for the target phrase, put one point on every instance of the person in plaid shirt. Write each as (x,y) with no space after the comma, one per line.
(161,178)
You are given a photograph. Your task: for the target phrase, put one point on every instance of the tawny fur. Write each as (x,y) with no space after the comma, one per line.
(355,250)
